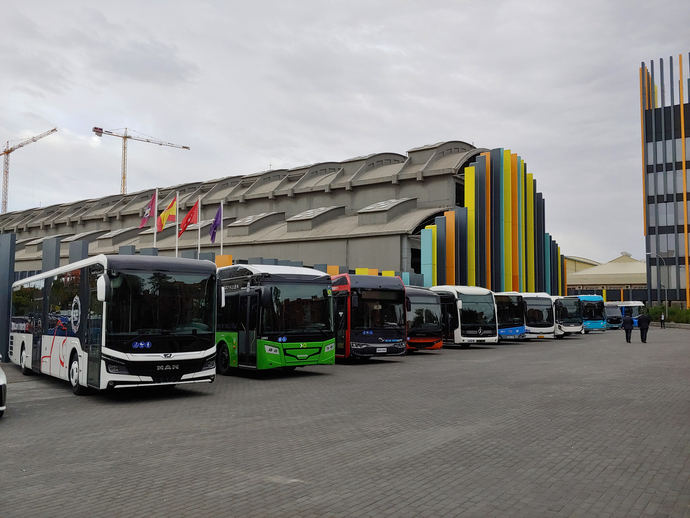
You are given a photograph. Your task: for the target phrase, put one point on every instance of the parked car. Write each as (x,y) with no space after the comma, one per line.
(3,390)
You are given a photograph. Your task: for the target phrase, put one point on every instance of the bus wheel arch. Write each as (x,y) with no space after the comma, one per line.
(222,358)
(22,361)
(73,373)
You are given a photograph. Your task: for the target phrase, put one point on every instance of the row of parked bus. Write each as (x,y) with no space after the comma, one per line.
(121,321)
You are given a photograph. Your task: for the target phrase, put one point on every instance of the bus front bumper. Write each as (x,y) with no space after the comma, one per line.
(367,350)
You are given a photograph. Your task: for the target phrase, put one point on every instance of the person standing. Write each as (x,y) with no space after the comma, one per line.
(643,323)
(663,320)
(627,326)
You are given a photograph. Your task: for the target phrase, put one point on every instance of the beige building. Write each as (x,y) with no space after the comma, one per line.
(623,278)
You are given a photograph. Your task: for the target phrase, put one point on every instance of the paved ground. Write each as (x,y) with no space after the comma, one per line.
(587,426)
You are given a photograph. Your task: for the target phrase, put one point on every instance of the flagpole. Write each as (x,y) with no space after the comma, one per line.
(198,222)
(155,218)
(221,227)
(177,220)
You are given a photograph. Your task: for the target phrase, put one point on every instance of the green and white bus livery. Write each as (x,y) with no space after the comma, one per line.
(273,317)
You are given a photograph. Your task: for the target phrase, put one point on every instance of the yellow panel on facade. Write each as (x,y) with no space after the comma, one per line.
(332,269)
(450,246)
(508,226)
(388,273)
(434,254)
(603,294)
(471,225)
(223,260)
(361,271)
(529,227)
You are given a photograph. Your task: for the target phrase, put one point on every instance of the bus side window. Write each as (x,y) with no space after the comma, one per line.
(94,316)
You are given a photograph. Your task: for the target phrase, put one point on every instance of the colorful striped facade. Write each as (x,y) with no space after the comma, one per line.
(665,132)
(497,239)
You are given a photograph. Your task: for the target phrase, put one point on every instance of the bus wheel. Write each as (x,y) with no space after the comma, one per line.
(22,363)
(74,375)
(222,359)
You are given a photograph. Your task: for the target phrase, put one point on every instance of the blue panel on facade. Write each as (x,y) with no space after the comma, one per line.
(427,237)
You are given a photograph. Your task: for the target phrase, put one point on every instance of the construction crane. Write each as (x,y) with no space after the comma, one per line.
(6,167)
(125,137)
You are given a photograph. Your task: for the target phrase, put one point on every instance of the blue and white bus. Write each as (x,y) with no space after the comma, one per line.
(632,308)
(593,313)
(539,315)
(510,308)
(114,321)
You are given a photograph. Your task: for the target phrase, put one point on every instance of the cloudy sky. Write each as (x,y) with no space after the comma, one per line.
(253,85)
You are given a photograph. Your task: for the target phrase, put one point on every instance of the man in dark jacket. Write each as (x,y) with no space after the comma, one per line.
(643,323)
(627,326)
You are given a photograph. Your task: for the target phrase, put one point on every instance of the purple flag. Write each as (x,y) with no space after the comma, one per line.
(215,225)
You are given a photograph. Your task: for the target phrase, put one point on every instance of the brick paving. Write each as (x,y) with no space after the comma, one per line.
(587,426)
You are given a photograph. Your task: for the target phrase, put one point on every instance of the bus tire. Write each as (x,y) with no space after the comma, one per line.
(222,359)
(22,362)
(73,375)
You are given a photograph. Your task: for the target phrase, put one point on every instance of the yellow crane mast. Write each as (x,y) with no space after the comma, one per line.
(125,137)
(6,166)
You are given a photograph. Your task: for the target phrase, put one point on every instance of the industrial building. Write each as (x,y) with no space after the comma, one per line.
(449,211)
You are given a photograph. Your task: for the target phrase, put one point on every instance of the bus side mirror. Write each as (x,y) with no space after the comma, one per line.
(355,300)
(103,288)
(408,304)
(459,304)
(266,298)
(222,296)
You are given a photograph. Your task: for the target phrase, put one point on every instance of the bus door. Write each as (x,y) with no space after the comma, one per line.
(94,330)
(247,330)
(449,313)
(340,300)
(36,344)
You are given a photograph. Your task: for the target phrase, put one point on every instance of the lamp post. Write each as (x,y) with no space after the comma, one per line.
(662,286)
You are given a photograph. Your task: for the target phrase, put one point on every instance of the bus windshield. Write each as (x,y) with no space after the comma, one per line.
(511,311)
(424,315)
(539,312)
(593,310)
(377,309)
(612,311)
(569,311)
(478,309)
(299,307)
(149,303)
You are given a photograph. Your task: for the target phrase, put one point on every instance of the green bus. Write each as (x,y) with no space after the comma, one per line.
(273,317)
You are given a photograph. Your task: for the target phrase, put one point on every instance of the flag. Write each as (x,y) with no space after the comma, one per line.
(167,215)
(216,224)
(150,209)
(191,217)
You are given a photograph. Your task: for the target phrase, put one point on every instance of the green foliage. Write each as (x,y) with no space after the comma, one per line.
(675,314)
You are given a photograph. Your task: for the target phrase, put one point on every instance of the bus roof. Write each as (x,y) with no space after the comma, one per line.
(536,295)
(271,269)
(464,290)
(129,262)
(419,292)
(627,303)
(591,298)
(368,281)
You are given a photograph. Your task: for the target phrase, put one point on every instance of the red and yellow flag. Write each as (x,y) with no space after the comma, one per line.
(168,215)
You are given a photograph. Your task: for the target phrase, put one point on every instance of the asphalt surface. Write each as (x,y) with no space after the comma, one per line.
(587,426)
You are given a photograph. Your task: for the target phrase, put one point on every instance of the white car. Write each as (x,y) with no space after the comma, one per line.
(3,390)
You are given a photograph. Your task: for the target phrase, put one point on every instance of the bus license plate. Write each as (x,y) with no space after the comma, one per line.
(382,349)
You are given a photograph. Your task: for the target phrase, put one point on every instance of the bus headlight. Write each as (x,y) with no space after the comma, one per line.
(271,350)
(114,367)
(209,363)
(329,348)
